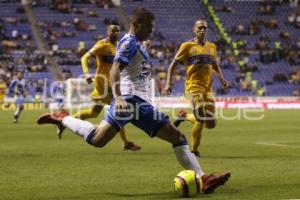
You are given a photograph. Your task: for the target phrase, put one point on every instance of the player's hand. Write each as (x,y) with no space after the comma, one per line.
(122,107)
(167,90)
(89,79)
(225,83)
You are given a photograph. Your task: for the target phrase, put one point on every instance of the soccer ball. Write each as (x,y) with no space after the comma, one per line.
(187,183)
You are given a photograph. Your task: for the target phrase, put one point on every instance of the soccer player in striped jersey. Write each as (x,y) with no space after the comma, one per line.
(130,82)
(58,93)
(200,58)
(103,51)
(17,89)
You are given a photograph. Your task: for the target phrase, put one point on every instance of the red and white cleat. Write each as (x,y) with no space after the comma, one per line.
(211,182)
(54,118)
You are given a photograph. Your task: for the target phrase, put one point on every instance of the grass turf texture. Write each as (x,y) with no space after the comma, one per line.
(35,165)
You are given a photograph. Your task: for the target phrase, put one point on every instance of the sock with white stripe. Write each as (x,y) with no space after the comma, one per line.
(78,126)
(187,159)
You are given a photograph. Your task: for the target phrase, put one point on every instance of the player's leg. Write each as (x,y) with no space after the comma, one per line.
(183,154)
(88,113)
(1,101)
(157,124)
(96,136)
(196,137)
(204,109)
(196,130)
(19,109)
(128,145)
(104,133)
(188,160)
(99,101)
(17,113)
(197,104)
(191,118)
(210,118)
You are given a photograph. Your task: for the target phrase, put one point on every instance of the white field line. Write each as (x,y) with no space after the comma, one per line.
(291,199)
(275,144)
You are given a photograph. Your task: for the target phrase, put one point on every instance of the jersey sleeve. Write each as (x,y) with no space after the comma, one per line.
(97,49)
(126,50)
(11,88)
(214,53)
(182,53)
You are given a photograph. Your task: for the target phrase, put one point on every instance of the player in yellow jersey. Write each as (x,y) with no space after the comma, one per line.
(3,88)
(103,51)
(200,58)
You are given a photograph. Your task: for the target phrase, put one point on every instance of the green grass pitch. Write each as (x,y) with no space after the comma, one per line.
(263,157)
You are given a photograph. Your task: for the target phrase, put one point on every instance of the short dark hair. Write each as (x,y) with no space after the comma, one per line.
(114,22)
(142,15)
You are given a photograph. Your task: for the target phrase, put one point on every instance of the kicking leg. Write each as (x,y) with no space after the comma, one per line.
(188,160)
(183,154)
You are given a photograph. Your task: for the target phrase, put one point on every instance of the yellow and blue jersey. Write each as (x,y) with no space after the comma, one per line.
(199,60)
(3,88)
(104,52)
(2,91)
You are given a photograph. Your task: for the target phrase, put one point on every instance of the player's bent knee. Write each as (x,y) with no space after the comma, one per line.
(199,114)
(171,134)
(210,124)
(99,144)
(96,143)
(102,134)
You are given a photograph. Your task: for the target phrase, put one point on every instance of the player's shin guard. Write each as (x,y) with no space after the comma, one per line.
(82,128)
(186,158)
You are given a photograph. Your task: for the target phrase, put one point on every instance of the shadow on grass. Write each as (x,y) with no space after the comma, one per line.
(163,195)
(248,157)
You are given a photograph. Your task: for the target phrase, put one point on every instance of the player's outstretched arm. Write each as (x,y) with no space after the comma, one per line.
(180,56)
(11,88)
(85,66)
(220,75)
(171,70)
(116,68)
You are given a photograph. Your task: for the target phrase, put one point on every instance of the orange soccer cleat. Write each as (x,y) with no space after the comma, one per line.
(54,118)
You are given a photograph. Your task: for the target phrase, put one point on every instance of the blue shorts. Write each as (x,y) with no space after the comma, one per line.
(141,114)
(59,100)
(20,101)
